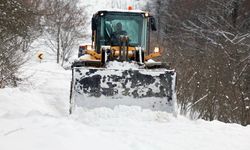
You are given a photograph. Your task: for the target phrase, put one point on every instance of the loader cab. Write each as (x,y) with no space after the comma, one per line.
(136,25)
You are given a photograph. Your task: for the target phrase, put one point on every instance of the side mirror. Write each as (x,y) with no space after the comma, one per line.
(93,24)
(152,23)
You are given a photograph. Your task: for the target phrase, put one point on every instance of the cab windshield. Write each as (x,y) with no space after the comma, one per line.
(132,25)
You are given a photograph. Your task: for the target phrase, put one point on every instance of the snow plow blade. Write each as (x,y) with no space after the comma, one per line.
(101,87)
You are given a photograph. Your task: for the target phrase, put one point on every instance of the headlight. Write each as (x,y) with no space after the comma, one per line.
(157,50)
(89,47)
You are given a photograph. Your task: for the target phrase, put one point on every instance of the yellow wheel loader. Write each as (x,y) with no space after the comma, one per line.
(118,67)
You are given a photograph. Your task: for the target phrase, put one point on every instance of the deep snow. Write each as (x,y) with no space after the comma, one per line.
(35,116)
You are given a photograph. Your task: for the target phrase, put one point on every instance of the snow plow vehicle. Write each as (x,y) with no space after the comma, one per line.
(118,68)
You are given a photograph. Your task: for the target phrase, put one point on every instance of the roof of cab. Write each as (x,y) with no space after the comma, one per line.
(120,10)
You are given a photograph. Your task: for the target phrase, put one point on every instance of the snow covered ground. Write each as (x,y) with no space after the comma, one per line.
(35,116)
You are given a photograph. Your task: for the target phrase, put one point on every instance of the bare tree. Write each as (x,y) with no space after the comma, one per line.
(65,24)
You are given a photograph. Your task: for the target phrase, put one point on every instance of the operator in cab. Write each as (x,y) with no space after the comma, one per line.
(115,36)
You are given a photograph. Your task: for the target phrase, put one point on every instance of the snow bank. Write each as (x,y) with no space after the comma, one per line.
(14,102)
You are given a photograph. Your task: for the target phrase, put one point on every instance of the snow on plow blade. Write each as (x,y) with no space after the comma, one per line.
(102,87)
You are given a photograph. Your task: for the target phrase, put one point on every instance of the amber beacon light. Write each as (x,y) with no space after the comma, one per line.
(130,8)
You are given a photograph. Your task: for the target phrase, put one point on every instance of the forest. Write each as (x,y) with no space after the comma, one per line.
(208,43)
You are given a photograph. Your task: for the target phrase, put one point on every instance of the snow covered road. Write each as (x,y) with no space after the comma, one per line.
(35,116)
